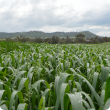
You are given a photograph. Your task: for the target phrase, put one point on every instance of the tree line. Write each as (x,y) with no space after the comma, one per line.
(34,34)
(79,38)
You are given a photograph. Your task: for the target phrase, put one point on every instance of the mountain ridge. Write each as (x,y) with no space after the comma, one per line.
(33,34)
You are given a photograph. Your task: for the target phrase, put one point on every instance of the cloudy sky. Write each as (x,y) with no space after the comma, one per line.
(55,15)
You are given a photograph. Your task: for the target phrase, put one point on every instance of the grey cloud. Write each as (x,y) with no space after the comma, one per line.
(90,18)
(38,17)
(104,19)
(95,18)
(8,15)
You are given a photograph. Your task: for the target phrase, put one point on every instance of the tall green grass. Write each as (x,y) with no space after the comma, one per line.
(54,77)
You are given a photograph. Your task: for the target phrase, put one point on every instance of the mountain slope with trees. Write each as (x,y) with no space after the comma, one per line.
(37,34)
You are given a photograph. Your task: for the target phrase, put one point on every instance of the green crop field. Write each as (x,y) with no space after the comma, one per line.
(54,77)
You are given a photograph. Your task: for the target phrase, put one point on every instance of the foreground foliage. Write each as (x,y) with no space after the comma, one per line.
(54,77)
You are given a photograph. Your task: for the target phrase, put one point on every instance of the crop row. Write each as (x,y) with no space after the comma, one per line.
(54,77)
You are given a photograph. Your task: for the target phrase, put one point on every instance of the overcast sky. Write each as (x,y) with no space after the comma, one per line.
(55,15)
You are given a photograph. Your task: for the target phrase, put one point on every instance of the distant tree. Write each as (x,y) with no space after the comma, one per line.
(47,40)
(106,39)
(61,41)
(96,40)
(54,39)
(80,38)
(68,40)
(38,40)
(8,39)
(101,40)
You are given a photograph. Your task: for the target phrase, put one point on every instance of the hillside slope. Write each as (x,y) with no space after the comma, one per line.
(41,34)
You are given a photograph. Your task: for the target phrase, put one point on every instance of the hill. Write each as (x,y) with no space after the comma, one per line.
(33,34)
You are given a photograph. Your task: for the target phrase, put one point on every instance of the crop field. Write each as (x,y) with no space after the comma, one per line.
(54,77)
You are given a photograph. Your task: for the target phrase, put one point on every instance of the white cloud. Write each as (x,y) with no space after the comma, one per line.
(55,15)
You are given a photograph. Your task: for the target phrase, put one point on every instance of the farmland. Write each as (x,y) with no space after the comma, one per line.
(54,77)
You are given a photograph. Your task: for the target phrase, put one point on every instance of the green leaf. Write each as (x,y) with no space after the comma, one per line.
(18,76)
(76,101)
(100,103)
(33,99)
(47,84)
(78,86)
(89,99)
(20,96)
(1,85)
(24,81)
(94,83)
(29,72)
(102,95)
(62,79)
(37,84)
(107,90)
(42,104)
(8,91)
(45,92)
(107,105)
(104,74)
(30,75)
(64,88)
(1,68)
(1,94)
(22,106)
(3,107)
(86,104)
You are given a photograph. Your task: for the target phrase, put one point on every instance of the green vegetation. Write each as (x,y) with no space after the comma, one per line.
(79,38)
(54,77)
(37,34)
